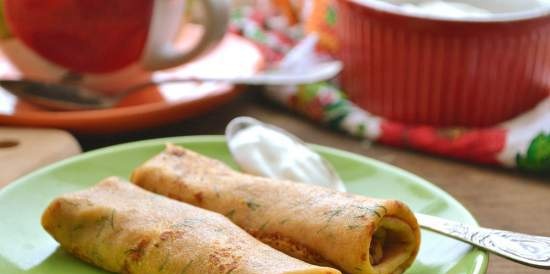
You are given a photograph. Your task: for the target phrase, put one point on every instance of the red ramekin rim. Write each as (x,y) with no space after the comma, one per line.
(383,6)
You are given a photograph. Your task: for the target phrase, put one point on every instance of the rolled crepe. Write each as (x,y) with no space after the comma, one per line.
(122,228)
(354,233)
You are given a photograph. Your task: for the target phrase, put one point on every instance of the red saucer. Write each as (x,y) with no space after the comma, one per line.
(154,106)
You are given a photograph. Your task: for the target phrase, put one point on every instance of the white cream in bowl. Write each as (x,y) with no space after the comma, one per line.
(447,8)
(476,10)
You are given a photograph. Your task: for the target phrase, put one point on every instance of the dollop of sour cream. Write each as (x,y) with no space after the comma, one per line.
(447,9)
(466,8)
(263,151)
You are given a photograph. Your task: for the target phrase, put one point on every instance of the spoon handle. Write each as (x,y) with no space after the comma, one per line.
(525,249)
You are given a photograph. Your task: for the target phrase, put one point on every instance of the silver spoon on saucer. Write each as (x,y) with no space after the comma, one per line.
(526,249)
(70,97)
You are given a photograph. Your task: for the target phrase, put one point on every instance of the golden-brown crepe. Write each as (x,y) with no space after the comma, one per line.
(354,233)
(122,228)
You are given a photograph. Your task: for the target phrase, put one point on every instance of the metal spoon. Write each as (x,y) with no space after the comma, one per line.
(66,96)
(522,248)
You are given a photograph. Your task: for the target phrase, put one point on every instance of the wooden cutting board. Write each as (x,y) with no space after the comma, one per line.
(23,150)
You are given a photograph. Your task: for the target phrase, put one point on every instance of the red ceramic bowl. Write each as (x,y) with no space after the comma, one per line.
(431,70)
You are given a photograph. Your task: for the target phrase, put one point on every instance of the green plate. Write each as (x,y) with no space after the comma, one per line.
(26,248)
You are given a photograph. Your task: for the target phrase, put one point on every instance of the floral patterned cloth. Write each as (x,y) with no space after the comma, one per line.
(277,25)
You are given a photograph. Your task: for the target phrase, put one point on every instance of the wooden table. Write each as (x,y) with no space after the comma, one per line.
(498,198)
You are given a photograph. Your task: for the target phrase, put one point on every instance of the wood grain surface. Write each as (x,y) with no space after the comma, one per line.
(499,198)
(23,150)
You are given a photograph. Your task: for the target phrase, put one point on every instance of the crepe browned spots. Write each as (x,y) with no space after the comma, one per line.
(125,229)
(351,232)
